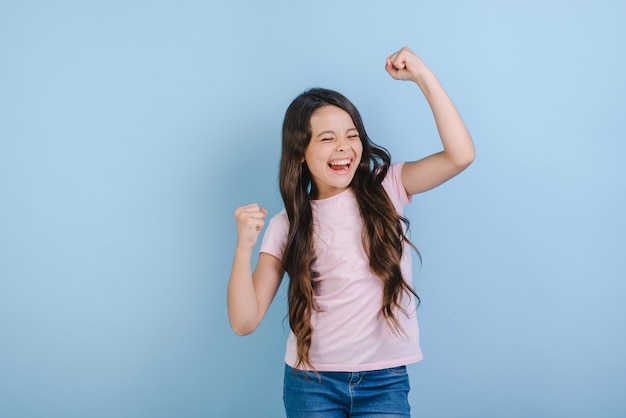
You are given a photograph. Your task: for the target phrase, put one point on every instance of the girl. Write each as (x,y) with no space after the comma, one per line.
(341,239)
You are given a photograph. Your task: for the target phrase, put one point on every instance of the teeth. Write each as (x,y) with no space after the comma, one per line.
(340,162)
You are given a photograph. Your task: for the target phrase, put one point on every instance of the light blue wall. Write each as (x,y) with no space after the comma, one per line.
(130,130)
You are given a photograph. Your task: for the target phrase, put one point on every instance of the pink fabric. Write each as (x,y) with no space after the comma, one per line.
(349,333)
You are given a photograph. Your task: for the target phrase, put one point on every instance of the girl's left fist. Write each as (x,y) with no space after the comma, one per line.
(405,65)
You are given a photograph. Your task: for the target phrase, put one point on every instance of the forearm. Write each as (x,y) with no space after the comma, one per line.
(456,140)
(242,300)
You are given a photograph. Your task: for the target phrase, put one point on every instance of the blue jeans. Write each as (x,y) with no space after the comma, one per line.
(377,393)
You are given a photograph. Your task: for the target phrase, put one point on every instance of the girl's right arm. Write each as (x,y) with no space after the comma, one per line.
(250,294)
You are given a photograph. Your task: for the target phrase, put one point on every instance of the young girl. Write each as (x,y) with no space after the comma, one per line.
(341,240)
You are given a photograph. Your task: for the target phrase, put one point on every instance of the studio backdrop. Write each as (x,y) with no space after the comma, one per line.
(130,131)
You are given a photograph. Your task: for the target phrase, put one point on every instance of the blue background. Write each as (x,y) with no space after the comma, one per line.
(129,132)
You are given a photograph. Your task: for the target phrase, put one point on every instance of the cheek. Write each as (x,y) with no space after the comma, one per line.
(359,152)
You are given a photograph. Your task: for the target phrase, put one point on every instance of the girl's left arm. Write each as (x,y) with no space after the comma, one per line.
(458,148)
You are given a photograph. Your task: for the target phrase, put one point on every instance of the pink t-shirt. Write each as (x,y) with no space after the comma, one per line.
(349,332)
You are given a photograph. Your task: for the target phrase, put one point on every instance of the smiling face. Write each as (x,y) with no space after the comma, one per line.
(334,151)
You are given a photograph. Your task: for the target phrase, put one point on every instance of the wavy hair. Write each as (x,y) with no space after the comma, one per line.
(383,233)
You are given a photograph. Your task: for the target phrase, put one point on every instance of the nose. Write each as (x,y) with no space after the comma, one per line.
(342,144)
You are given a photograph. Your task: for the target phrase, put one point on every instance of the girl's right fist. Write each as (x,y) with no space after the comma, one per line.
(250,220)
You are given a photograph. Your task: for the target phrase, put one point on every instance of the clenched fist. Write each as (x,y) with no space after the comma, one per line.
(250,220)
(405,65)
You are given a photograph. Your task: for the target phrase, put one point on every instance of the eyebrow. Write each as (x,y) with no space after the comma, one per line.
(333,132)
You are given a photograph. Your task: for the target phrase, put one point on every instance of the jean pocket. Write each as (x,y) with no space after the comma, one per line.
(397,370)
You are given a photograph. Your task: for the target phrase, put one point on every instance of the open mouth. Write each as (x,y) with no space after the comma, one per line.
(342,165)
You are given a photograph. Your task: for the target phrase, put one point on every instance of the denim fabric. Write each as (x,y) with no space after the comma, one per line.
(377,393)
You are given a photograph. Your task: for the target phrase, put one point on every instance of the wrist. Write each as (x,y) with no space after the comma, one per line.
(424,78)
(244,249)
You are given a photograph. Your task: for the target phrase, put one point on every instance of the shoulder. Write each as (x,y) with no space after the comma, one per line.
(280,218)
(394,187)
(279,223)
(275,236)
(394,172)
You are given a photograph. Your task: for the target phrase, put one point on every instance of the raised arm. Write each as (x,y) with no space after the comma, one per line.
(250,294)
(458,148)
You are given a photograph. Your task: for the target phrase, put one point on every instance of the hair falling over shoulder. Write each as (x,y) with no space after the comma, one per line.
(383,232)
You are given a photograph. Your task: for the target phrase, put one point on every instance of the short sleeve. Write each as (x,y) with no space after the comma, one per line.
(394,187)
(275,237)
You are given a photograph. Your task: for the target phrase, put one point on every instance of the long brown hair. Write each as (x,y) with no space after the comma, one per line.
(383,232)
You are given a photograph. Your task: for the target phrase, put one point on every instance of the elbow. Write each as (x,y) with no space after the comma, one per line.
(460,164)
(242,332)
(459,158)
(469,159)
(242,321)
(242,329)
(466,159)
